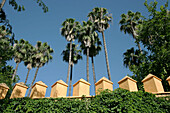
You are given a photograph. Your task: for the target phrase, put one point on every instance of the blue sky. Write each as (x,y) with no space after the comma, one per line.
(34,25)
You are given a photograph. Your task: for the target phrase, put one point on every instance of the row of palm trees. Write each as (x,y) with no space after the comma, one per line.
(87,36)
(33,57)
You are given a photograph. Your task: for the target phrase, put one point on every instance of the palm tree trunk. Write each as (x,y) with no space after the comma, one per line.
(134,36)
(2,4)
(33,81)
(27,75)
(87,65)
(69,62)
(70,80)
(94,76)
(106,56)
(15,72)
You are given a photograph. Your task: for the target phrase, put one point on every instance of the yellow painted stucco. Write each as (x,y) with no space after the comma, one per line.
(19,90)
(59,89)
(81,87)
(3,90)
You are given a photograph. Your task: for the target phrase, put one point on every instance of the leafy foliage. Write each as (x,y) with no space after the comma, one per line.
(5,24)
(119,100)
(6,54)
(6,49)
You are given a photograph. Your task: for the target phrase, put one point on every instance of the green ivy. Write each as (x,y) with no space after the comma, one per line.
(119,100)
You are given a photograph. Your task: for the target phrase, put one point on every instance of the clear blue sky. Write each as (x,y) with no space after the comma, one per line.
(34,25)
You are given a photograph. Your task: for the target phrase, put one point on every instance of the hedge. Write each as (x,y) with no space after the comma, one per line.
(119,100)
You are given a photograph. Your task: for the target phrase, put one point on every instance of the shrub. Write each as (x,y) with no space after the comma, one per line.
(119,100)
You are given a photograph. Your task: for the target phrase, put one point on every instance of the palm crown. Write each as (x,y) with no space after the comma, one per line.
(28,61)
(43,54)
(87,34)
(129,22)
(69,29)
(76,54)
(101,18)
(20,50)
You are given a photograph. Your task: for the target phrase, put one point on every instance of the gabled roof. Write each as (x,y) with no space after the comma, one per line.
(40,83)
(125,78)
(60,82)
(21,84)
(168,78)
(83,81)
(149,77)
(104,79)
(4,85)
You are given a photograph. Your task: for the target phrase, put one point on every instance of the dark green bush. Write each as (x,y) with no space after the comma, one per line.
(118,100)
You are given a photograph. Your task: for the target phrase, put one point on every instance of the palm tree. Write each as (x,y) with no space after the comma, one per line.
(19,53)
(101,19)
(28,61)
(69,31)
(129,24)
(42,56)
(75,56)
(88,37)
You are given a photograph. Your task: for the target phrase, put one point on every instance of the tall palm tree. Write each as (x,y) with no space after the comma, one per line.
(19,53)
(129,24)
(75,56)
(42,56)
(101,19)
(28,61)
(69,31)
(88,37)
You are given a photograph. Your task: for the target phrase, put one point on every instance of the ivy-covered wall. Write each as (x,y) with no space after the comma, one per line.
(119,100)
